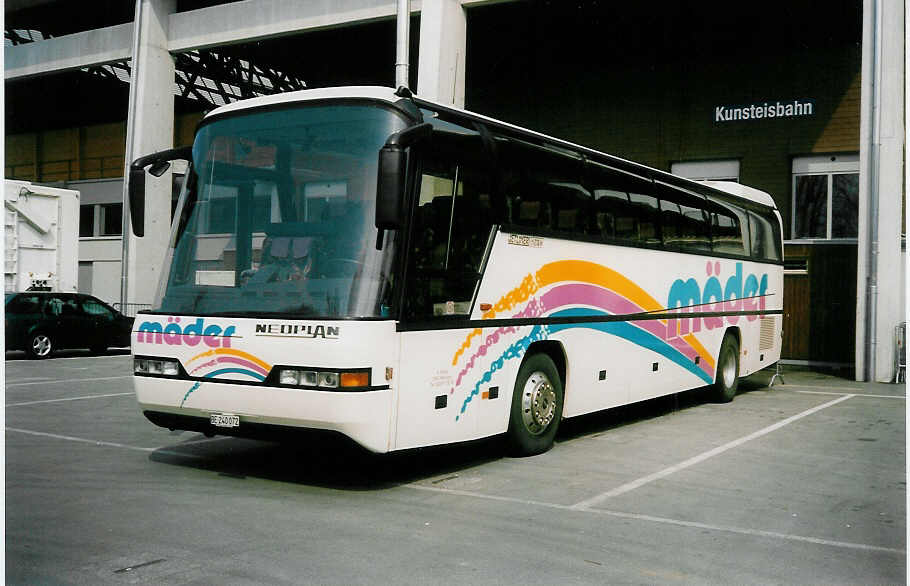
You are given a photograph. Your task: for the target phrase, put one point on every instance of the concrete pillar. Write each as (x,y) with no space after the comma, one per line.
(880,267)
(440,70)
(150,128)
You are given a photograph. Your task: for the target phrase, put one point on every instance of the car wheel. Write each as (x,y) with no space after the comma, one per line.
(40,345)
(536,407)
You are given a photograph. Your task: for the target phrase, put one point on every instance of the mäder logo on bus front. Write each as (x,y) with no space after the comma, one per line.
(212,335)
(737,295)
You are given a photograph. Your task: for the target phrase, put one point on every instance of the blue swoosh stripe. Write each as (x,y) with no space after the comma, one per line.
(255,375)
(632,333)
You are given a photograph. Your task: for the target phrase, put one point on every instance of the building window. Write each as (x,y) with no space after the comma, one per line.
(825,197)
(111,219)
(86,221)
(100,220)
(721,170)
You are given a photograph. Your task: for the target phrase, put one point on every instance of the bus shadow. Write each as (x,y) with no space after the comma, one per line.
(616,417)
(331,460)
(325,459)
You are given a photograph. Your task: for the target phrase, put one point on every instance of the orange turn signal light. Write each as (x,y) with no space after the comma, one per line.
(355,379)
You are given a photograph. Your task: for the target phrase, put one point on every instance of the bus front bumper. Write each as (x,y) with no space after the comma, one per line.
(267,412)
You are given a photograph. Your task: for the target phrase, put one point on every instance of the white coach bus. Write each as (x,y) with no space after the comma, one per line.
(408,274)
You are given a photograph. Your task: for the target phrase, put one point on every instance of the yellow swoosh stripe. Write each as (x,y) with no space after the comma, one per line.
(233,352)
(696,345)
(565,270)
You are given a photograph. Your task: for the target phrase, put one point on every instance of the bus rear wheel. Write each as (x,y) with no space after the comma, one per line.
(536,407)
(727,377)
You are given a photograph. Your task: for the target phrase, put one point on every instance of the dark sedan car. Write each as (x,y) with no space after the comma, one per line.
(41,323)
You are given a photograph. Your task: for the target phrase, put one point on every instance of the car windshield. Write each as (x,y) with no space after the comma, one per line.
(279,216)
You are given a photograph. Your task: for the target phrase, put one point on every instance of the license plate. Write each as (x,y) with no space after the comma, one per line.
(224,420)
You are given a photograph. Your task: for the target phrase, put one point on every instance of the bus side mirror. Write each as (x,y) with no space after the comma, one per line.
(393,164)
(158,163)
(393,161)
(137,200)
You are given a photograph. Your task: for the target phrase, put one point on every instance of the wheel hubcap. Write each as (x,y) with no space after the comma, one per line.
(538,403)
(728,370)
(41,345)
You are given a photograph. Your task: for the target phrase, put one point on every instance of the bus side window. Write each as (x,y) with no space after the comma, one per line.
(614,215)
(696,227)
(572,208)
(646,206)
(765,239)
(683,220)
(543,188)
(534,214)
(728,224)
(623,207)
(433,218)
(669,222)
(448,237)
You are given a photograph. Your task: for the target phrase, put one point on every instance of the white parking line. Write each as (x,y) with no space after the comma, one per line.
(79,439)
(572,508)
(68,399)
(630,486)
(68,381)
(845,390)
(664,520)
(832,393)
(93,357)
(83,440)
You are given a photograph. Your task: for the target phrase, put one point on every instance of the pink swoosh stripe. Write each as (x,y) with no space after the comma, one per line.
(244,363)
(581,294)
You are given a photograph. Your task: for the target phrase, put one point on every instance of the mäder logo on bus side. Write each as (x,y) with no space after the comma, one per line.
(687,296)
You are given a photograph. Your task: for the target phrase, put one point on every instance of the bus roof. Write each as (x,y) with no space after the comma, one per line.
(387,94)
(367,92)
(743,191)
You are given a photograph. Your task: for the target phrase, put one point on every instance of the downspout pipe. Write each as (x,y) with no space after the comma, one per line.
(874,142)
(402,43)
(128,157)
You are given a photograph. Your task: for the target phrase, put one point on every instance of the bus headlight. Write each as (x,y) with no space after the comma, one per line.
(294,376)
(308,377)
(289,376)
(156,366)
(324,379)
(328,379)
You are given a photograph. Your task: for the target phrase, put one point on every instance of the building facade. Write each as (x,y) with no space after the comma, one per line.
(778,99)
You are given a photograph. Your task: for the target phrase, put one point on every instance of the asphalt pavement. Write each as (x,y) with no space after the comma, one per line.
(801,483)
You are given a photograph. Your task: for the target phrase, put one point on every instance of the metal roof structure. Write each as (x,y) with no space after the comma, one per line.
(213,77)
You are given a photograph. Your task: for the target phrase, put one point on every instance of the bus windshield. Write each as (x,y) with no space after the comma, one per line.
(278,216)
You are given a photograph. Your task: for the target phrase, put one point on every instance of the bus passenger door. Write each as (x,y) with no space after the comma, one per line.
(450,229)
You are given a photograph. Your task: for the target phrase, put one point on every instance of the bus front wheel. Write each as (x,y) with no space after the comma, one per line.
(727,377)
(536,407)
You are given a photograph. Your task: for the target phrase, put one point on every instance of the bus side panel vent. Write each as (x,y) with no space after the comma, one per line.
(766,333)
(442,401)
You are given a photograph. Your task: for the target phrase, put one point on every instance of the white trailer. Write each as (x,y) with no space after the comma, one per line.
(41,237)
